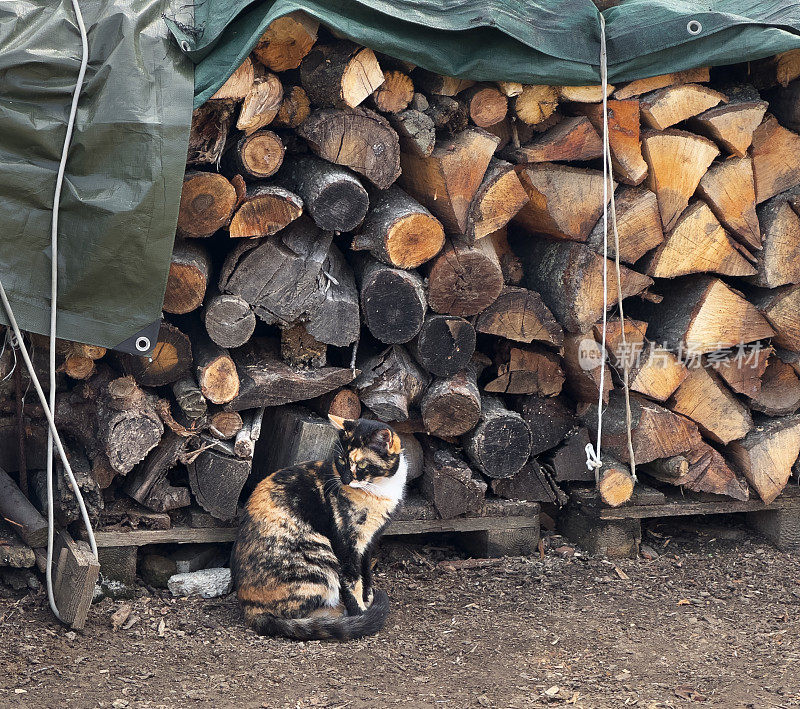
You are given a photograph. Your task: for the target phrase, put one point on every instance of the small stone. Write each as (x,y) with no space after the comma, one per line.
(71,635)
(207,583)
(648,552)
(156,570)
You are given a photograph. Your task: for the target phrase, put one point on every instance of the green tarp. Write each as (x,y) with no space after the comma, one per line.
(124,172)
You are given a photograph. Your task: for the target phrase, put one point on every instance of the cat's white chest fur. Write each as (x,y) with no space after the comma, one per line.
(392,488)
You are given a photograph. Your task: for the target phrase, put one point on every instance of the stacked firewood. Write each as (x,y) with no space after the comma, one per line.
(365,237)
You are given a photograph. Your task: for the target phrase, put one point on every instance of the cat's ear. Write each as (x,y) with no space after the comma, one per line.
(389,440)
(338,422)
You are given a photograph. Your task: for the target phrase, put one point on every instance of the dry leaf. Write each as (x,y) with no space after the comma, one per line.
(119,616)
(621,573)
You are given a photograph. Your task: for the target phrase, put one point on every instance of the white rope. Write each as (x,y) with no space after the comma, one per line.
(49,406)
(593,453)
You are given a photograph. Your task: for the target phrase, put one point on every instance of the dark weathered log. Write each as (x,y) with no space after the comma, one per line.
(416,131)
(449,115)
(188,277)
(13,552)
(548,419)
(521,315)
(501,443)
(510,263)
(340,74)
(209,133)
(452,406)
(65,504)
(432,83)
(784,104)
(568,461)
(448,482)
(294,108)
(356,138)
(464,280)
(286,41)
(399,231)
(333,196)
(148,484)
(229,320)
(207,203)
(25,518)
(526,370)
(217,479)
(390,383)
(392,301)
(171,359)
(264,210)
(343,403)
(189,397)
(256,156)
(530,483)
(444,345)
(267,381)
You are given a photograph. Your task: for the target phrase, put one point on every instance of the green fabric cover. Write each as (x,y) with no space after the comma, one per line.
(120,200)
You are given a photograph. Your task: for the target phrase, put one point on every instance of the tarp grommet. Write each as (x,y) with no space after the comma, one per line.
(185,46)
(694,27)
(143,344)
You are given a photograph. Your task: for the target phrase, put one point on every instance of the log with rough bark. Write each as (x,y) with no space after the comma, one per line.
(464,280)
(614,482)
(392,300)
(148,483)
(416,131)
(448,482)
(217,476)
(536,103)
(340,74)
(699,244)
(264,210)
(399,231)
(189,271)
(676,160)
(776,159)
(784,104)
(501,443)
(765,455)
(395,93)
(530,483)
(779,394)
(449,115)
(584,363)
(743,368)
(261,104)
(189,397)
(432,83)
(207,204)
(17,510)
(294,108)
(526,370)
(342,402)
(498,199)
(229,319)
(780,306)
(666,107)
(333,196)
(652,83)
(568,461)
(569,278)
(390,383)
(447,180)
(564,202)
(444,345)
(548,419)
(65,504)
(571,139)
(510,263)
(214,367)
(519,314)
(301,349)
(211,123)
(171,359)
(286,41)
(257,156)
(452,406)
(731,125)
(356,138)
(778,264)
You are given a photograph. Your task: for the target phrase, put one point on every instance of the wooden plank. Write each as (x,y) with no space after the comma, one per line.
(460,524)
(75,573)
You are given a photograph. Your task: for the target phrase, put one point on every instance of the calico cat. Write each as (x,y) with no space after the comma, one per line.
(302,559)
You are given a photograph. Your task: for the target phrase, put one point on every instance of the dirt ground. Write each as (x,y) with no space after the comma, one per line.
(710,619)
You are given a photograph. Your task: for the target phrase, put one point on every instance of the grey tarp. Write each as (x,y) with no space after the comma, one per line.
(124,171)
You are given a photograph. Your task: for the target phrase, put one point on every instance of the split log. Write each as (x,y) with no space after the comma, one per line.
(148,484)
(265,210)
(778,264)
(569,278)
(224,425)
(501,443)
(207,204)
(676,160)
(286,41)
(780,307)
(656,432)
(731,126)
(189,271)
(452,406)
(432,83)
(548,419)
(257,156)
(511,89)
(447,180)
(638,225)
(776,159)
(486,105)
(709,472)
(189,397)
(214,368)
(656,373)
(342,402)
(564,201)
(584,363)
(765,455)
(743,371)
(702,314)
(464,280)
(571,139)
(698,244)
(356,138)
(392,300)
(300,349)
(171,359)
(728,188)
(623,137)
(536,103)
(530,483)
(635,337)
(449,483)
(444,345)
(217,479)
(340,74)
(526,370)
(498,199)
(779,394)
(652,83)
(267,381)
(211,123)
(333,196)
(779,69)
(17,509)
(390,383)
(247,437)
(584,94)
(261,104)
(666,107)
(229,320)
(519,314)
(294,109)
(416,131)
(237,84)
(399,231)
(568,461)
(395,93)
(703,398)
(510,263)
(614,483)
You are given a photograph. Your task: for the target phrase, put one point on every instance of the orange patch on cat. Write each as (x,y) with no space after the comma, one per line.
(394,448)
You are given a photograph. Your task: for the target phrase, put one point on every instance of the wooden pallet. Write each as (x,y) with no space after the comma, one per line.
(616,531)
(500,528)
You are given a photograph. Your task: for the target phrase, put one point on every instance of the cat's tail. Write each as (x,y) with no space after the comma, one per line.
(345,627)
